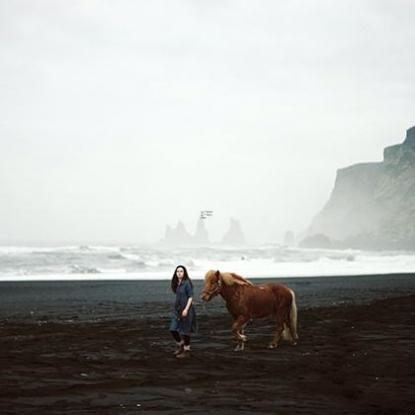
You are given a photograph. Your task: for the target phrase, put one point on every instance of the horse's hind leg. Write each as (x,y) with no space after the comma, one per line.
(277,335)
(293,335)
(288,334)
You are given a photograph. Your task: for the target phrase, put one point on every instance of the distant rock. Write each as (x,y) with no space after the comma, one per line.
(177,236)
(289,238)
(318,240)
(234,235)
(372,205)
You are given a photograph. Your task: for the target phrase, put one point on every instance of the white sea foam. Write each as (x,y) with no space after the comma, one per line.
(101,262)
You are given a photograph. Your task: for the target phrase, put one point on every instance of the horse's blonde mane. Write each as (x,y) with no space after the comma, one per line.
(229,278)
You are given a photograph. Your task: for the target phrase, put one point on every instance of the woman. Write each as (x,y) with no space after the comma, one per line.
(183,322)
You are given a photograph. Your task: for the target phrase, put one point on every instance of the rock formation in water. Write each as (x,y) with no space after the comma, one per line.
(372,205)
(289,238)
(234,235)
(177,236)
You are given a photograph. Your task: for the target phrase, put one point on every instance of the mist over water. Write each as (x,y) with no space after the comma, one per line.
(129,262)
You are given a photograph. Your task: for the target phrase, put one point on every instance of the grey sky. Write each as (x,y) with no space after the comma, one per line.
(119,117)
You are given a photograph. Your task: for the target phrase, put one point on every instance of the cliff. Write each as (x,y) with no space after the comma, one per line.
(372,204)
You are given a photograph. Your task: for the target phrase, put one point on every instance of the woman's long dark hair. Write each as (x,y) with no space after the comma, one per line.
(175,280)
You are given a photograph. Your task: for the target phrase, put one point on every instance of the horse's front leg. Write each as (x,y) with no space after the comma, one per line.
(240,346)
(237,331)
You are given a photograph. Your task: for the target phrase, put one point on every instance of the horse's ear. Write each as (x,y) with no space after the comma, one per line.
(217,273)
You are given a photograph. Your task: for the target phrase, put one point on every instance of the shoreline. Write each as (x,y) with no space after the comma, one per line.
(97,300)
(106,278)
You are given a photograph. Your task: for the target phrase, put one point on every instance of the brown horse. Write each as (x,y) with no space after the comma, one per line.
(246,301)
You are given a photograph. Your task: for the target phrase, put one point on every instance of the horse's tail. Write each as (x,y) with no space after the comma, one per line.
(293,317)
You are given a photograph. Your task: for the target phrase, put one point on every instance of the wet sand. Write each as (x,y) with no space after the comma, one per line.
(351,359)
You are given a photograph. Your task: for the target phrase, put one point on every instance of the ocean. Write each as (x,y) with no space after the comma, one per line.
(150,263)
(99,282)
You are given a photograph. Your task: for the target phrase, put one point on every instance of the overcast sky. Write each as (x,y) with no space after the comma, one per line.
(119,117)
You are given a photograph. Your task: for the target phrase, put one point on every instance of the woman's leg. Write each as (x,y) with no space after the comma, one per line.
(186,347)
(179,342)
(186,340)
(176,336)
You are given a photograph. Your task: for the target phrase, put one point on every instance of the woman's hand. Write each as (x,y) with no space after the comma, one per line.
(185,311)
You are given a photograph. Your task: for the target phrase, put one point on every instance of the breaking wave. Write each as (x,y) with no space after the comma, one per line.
(100,262)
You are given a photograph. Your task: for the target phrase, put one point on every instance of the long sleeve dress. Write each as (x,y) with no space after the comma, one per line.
(188,324)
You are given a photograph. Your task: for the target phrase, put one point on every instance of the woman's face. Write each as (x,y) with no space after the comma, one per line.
(180,273)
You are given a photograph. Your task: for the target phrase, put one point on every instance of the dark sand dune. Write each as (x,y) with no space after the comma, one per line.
(351,359)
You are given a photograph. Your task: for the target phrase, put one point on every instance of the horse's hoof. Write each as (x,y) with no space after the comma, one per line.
(272,346)
(239,348)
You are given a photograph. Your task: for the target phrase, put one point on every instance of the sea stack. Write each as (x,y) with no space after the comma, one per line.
(234,235)
(177,236)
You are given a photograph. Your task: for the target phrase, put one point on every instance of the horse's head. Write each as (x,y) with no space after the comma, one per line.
(213,283)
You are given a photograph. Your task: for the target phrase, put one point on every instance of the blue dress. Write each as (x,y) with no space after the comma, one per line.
(188,324)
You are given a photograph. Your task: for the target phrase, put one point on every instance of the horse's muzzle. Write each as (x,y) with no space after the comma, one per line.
(205,297)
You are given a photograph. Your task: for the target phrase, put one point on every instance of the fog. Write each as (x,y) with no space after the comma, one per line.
(118,118)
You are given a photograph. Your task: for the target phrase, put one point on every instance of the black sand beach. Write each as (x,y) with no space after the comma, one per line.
(103,348)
